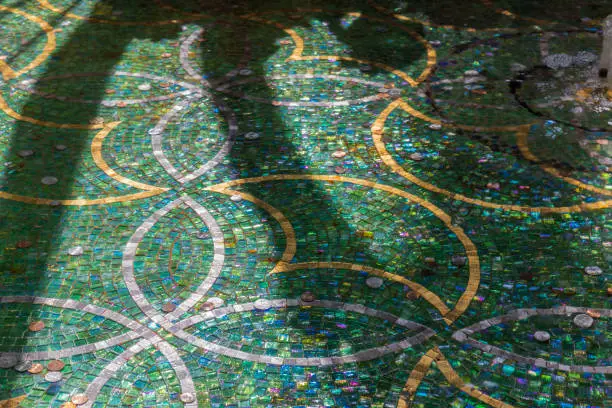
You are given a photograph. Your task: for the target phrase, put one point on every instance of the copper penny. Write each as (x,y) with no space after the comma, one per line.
(24,244)
(36,368)
(168,307)
(36,326)
(55,365)
(79,399)
(207,306)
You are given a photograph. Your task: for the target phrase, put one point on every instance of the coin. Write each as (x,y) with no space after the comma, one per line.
(262,304)
(374,282)
(55,365)
(416,156)
(23,244)
(79,399)
(541,336)
(23,366)
(251,136)
(168,307)
(53,376)
(593,270)
(36,368)
(236,198)
(338,154)
(307,297)
(60,147)
(187,397)
(583,321)
(218,302)
(36,326)
(49,180)
(75,251)
(8,361)
(26,153)
(207,306)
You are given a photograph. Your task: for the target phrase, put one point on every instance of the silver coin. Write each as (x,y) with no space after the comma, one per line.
(435,126)
(307,297)
(236,198)
(8,361)
(75,251)
(458,260)
(26,153)
(374,282)
(49,180)
(542,336)
(144,87)
(584,321)
(53,376)
(187,397)
(262,304)
(416,156)
(218,302)
(245,72)
(23,366)
(251,136)
(593,270)
(60,147)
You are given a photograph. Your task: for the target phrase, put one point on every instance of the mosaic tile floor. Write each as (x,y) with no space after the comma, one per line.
(304,204)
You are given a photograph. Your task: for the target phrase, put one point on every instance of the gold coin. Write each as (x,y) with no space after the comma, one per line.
(36,368)
(79,399)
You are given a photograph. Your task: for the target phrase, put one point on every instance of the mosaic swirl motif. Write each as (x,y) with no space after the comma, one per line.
(364,203)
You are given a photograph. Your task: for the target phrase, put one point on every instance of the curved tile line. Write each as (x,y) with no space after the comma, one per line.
(276,77)
(79,202)
(8,72)
(177,364)
(96,153)
(377,136)
(284,303)
(452,377)
(431,297)
(285,224)
(431,52)
(364,355)
(217,263)
(470,249)
(515,16)
(157,142)
(12,402)
(226,88)
(46,4)
(463,336)
(425,23)
(522,141)
(76,305)
(73,351)
(184,57)
(10,112)
(416,376)
(190,88)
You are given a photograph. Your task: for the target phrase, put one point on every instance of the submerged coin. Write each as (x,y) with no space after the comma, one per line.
(53,376)
(168,307)
(307,297)
(583,321)
(55,365)
(593,270)
(187,397)
(23,366)
(36,326)
(374,282)
(79,399)
(541,336)
(8,361)
(262,304)
(49,180)
(75,251)
(36,368)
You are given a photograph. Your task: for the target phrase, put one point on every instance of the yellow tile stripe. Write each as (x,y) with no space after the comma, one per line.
(10,112)
(46,4)
(8,72)
(431,297)
(12,402)
(522,141)
(423,366)
(377,136)
(416,376)
(78,202)
(291,244)
(470,249)
(96,153)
